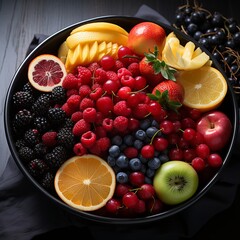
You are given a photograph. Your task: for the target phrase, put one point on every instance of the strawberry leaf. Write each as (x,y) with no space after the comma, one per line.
(163,99)
(160,66)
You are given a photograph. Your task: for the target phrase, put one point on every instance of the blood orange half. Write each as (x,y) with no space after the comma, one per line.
(45,72)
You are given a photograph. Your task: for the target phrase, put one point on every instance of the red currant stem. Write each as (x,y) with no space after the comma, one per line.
(155,134)
(134,190)
(147,115)
(140,90)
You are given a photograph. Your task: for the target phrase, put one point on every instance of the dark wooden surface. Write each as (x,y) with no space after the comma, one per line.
(21,19)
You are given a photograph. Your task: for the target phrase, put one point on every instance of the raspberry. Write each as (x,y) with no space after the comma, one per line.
(121,109)
(67,109)
(49,139)
(134,69)
(90,115)
(84,74)
(107,124)
(79,149)
(123,72)
(120,123)
(88,139)
(104,143)
(71,92)
(112,75)
(95,149)
(100,76)
(127,80)
(76,116)
(70,81)
(86,103)
(93,67)
(81,127)
(118,64)
(84,91)
(99,119)
(74,101)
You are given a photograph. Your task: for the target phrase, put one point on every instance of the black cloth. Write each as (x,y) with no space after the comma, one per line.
(25,213)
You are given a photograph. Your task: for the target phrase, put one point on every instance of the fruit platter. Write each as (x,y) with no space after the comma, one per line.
(121,120)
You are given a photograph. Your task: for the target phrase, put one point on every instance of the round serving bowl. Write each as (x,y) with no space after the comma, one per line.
(51,45)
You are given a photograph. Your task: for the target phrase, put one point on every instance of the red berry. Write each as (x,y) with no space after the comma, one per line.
(146,191)
(154,206)
(84,91)
(49,139)
(124,92)
(85,75)
(189,154)
(166,126)
(104,105)
(140,207)
(73,101)
(189,134)
(79,149)
(140,83)
(203,150)
(160,143)
(121,109)
(121,189)
(130,200)
(133,124)
(176,154)
(107,62)
(215,160)
(134,69)
(128,81)
(198,164)
(113,205)
(123,72)
(107,124)
(86,103)
(137,179)
(90,115)
(120,123)
(123,52)
(111,87)
(88,139)
(130,152)
(81,127)
(147,151)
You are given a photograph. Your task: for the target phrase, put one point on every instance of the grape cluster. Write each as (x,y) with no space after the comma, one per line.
(218,34)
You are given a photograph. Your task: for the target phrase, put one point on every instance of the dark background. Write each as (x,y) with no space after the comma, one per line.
(20,20)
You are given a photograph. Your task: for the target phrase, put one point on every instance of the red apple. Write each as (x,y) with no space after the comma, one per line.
(216,128)
(145,36)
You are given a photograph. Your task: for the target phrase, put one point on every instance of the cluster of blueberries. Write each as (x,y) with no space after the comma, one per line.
(123,165)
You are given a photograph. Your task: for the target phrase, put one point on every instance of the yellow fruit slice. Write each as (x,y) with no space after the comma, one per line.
(45,72)
(63,51)
(100,27)
(89,37)
(85,182)
(205,88)
(183,57)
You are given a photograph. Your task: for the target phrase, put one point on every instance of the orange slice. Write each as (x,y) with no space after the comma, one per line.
(85,182)
(45,72)
(205,88)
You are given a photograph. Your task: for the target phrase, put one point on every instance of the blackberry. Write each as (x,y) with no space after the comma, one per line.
(28,88)
(59,95)
(42,104)
(23,100)
(21,121)
(68,123)
(40,150)
(26,154)
(20,143)
(56,116)
(31,137)
(65,138)
(47,181)
(37,167)
(41,124)
(56,157)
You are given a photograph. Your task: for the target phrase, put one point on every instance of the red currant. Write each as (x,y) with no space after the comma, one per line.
(130,199)
(198,164)
(146,191)
(107,62)
(215,160)
(137,179)
(147,151)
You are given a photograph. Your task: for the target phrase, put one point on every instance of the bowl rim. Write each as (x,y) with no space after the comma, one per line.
(88,216)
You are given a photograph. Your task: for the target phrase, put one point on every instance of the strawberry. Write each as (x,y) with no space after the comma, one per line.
(154,69)
(169,94)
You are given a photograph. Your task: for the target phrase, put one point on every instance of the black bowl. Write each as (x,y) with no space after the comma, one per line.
(51,45)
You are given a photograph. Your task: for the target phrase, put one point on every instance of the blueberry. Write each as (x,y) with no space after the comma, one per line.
(117,140)
(138,144)
(146,123)
(122,147)
(135,164)
(142,159)
(154,163)
(111,161)
(143,168)
(151,131)
(148,180)
(164,158)
(128,140)
(122,161)
(150,172)
(140,134)
(155,124)
(114,151)
(122,177)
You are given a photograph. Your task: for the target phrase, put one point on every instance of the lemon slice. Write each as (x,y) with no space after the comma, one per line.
(205,88)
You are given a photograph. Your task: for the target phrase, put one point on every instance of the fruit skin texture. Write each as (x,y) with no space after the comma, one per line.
(216,128)
(144,36)
(175,90)
(175,182)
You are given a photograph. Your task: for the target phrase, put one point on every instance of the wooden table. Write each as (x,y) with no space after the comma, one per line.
(20,20)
